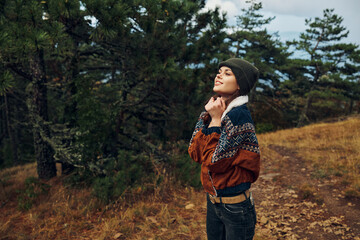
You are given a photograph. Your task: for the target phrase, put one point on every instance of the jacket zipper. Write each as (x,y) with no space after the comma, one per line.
(212,183)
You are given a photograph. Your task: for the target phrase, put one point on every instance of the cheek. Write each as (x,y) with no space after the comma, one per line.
(232,85)
(236,86)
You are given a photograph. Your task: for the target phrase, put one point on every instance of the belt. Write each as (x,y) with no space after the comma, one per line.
(230,200)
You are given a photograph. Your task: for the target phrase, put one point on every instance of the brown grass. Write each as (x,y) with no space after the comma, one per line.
(331,150)
(13,178)
(64,213)
(170,211)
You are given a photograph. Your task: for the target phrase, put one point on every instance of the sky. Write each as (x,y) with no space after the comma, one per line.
(290,15)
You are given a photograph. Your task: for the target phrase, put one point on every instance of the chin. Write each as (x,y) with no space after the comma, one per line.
(215,90)
(218,92)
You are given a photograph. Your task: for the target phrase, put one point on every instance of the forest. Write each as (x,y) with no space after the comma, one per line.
(111,89)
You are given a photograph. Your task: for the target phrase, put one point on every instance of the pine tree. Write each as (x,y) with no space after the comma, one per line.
(6,84)
(251,40)
(105,77)
(25,37)
(155,46)
(327,57)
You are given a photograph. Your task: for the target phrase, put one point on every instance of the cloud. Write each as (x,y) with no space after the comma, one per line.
(291,14)
(226,6)
(302,8)
(285,23)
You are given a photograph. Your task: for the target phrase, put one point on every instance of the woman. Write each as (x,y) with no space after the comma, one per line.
(225,144)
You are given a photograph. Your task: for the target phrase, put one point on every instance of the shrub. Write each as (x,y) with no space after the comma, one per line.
(126,171)
(264,127)
(306,191)
(309,192)
(184,169)
(33,190)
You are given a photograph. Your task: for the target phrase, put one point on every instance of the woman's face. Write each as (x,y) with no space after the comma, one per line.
(225,82)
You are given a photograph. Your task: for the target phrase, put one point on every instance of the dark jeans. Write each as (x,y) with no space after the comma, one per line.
(230,221)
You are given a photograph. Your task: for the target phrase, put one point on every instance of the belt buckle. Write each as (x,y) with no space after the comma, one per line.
(212,199)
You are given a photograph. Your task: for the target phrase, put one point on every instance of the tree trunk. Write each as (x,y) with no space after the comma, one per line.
(303,116)
(71,108)
(10,133)
(37,104)
(351,106)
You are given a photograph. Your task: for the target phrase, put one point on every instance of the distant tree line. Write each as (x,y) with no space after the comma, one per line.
(109,87)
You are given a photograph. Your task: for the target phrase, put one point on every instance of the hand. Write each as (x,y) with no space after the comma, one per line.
(215,108)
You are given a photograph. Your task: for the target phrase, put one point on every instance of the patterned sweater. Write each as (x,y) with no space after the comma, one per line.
(229,155)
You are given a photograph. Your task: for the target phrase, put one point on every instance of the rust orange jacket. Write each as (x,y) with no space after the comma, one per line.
(229,155)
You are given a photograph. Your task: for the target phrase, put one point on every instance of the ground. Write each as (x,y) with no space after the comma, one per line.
(308,189)
(289,208)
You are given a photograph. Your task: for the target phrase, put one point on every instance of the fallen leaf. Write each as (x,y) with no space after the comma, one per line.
(289,205)
(152,219)
(263,220)
(189,206)
(265,203)
(312,225)
(116,236)
(339,232)
(293,219)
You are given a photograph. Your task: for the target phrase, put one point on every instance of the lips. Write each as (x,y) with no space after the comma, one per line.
(218,83)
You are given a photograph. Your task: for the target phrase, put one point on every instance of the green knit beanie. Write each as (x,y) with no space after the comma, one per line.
(245,73)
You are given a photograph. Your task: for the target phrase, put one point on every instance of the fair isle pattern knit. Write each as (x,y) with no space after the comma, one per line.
(235,137)
(199,125)
(235,103)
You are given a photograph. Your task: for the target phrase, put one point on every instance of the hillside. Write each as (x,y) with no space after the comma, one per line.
(309,188)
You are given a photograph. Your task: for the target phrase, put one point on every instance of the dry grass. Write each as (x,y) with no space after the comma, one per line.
(331,150)
(12,179)
(170,211)
(167,213)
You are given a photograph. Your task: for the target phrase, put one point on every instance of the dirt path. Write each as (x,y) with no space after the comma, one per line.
(292,204)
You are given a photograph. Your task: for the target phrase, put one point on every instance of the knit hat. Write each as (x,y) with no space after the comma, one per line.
(245,73)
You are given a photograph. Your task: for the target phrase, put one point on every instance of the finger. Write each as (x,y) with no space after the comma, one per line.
(220,101)
(223,105)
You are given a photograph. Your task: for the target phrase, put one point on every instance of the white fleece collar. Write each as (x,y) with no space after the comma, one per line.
(235,103)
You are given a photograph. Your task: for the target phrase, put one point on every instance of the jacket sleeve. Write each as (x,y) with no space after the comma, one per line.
(203,141)
(237,146)
(222,148)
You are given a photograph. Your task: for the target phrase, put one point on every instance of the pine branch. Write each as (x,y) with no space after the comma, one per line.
(18,71)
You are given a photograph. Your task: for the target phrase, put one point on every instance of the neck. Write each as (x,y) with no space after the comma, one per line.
(231,96)
(225,97)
